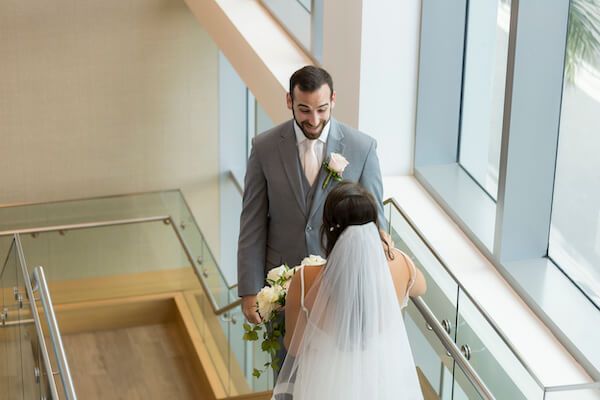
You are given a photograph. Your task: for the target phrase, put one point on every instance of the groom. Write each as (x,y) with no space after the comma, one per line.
(283,189)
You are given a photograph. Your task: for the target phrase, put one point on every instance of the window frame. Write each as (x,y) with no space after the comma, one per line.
(513,232)
(305,26)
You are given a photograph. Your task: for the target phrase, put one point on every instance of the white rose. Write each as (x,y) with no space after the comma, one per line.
(313,260)
(276,273)
(278,291)
(290,273)
(338,163)
(266,302)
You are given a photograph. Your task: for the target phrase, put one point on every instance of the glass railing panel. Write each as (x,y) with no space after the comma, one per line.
(11,376)
(432,361)
(244,357)
(199,248)
(442,289)
(28,340)
(19,349)
(105,251)
(463,389)
(216,335)
(82,211)
(113,208)
(441,296)
(238,357)
(492,359)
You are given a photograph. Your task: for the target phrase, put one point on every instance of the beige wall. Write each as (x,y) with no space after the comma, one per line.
(108,97)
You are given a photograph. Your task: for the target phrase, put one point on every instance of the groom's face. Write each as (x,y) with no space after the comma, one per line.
(312,110)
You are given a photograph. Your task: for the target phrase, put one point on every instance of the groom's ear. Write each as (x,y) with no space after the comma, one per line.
(333,99)
(288,99)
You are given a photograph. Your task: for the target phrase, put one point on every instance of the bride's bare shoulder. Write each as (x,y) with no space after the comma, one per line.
(397,262)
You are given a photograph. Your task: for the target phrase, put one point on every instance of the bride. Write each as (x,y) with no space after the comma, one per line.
(344,329)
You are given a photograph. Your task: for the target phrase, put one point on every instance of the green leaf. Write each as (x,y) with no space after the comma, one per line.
(250,336)
(265,346)
(276,334)
(247,327)
(256,373)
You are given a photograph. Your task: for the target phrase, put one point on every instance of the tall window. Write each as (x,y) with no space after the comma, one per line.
(303,19)
(484,80)
(575,225)
(507,142)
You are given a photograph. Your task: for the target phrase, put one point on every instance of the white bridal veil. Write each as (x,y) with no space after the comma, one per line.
(352,344)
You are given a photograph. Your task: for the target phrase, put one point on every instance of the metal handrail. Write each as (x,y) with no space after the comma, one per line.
(59,350)
(68,227)
(126,221)
(452,348)
(480,309)
(36,319)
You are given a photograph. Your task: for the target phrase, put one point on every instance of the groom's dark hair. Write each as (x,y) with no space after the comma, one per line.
(309,79)
(347,204)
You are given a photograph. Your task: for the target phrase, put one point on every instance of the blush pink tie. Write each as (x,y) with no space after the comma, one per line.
(311,163)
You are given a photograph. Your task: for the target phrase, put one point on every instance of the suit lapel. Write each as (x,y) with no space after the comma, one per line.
(288,151)
(335,144)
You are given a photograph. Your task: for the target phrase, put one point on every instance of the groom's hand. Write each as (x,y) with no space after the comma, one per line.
(250,309)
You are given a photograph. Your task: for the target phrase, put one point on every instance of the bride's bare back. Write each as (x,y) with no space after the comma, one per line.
(400,269)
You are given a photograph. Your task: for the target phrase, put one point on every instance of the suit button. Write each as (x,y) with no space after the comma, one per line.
(308,228)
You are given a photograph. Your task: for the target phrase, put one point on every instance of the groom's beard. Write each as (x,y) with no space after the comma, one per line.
(308,134)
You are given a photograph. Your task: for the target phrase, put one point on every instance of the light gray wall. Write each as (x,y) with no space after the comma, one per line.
(108,97)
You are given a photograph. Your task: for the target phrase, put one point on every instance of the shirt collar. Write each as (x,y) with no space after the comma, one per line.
(300,138)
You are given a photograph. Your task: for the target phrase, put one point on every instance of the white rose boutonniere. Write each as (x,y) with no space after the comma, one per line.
(335,164)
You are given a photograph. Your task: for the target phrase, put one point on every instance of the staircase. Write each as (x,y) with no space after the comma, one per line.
(145,312)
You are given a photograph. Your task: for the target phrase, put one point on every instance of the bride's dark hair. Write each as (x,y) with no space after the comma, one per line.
(347,204)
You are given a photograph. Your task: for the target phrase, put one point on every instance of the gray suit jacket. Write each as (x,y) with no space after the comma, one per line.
(276,226)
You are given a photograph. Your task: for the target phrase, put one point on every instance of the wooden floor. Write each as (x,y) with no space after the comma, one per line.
(145,362)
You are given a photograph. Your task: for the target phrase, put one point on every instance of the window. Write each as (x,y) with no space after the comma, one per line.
(575,225)
(303,19)
(486,50)
(506,141)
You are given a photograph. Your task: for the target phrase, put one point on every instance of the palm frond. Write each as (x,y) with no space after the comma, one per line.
(583,40)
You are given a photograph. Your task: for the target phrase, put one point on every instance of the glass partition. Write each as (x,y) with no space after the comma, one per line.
(490,357)
(98,209)
(22,372)
(303,19)
(105,251)
(488,352)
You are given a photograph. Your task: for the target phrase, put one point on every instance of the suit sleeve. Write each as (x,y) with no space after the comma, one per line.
(253,229)
(371,179)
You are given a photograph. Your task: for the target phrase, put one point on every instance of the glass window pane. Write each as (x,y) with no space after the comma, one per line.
(306,4)
(303,20)
(575,226)
(483,90)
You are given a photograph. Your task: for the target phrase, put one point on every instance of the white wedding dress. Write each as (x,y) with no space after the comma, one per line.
(352,344)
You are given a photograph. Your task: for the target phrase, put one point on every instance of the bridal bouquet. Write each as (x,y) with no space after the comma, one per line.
(271,301)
